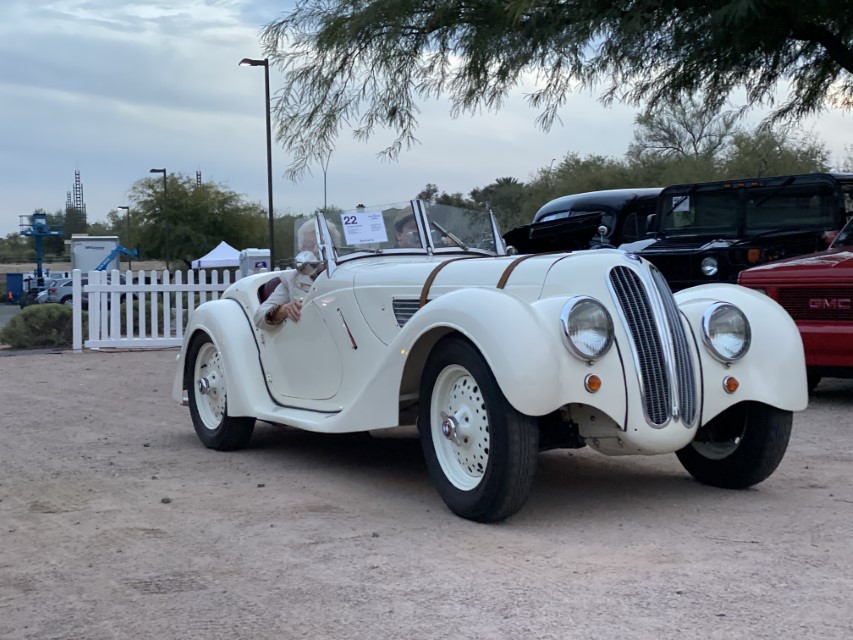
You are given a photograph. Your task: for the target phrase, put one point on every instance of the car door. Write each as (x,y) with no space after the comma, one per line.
(300,359)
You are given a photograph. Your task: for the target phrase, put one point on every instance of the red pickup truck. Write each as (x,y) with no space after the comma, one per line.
(817,291)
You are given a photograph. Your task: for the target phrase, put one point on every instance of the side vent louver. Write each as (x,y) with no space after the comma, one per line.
(404,310)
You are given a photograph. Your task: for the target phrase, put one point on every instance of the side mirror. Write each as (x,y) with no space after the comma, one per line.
(307,263)
(650,221)
(511,251)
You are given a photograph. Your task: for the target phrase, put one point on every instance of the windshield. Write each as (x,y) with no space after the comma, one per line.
(410,227)
(730,213)
(455,229)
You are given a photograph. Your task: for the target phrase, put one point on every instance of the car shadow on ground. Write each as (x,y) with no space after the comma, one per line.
(833,389)
(568,483)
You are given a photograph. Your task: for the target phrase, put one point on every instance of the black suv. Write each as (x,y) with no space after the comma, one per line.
(587,220)
(710,232)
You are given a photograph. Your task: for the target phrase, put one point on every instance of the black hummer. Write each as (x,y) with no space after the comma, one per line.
(710,232)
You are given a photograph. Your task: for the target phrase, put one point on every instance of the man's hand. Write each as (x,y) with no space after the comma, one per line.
(289,311)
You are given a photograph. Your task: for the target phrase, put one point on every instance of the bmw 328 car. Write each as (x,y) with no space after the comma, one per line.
(496,357)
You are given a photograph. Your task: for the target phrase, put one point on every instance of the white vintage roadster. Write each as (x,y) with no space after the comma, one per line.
(497,357)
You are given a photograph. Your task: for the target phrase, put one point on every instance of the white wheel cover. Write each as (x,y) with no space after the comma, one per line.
(211,405)
(457,402)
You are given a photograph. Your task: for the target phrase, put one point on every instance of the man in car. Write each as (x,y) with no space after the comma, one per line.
(285,302)
(407,231)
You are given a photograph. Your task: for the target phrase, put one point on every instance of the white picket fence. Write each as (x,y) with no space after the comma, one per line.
(162,305)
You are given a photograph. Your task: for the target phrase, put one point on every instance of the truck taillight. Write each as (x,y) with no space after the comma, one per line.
(52,290)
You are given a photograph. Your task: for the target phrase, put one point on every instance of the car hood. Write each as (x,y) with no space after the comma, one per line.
(406,278)
(832,264)
(388,290)
(396,285)
(564,234)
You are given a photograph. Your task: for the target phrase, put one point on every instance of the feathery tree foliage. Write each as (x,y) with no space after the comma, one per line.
(367,63)
(686,128)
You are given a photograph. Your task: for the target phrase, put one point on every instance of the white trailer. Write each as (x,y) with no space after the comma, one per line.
(87,252)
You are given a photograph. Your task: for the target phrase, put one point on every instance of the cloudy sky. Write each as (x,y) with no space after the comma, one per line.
(113,88)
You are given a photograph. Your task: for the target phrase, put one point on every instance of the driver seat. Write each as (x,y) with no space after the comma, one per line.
(266,289)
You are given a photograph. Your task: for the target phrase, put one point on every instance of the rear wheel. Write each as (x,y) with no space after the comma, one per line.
(481,453)
(67,300)
(206,387)
(740,447)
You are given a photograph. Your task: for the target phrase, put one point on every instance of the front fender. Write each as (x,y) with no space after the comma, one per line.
(520,349)
(773,371)
(225,321)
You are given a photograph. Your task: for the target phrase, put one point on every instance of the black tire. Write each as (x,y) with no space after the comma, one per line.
(739,448)
(67,300)
(209,409)
(812,379)
(506,440)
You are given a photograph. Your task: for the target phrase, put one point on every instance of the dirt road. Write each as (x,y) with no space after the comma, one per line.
(116,523)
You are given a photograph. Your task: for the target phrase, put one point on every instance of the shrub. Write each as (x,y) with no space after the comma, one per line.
(40,326)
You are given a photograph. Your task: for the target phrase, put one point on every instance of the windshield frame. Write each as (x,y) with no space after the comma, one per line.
(331,257)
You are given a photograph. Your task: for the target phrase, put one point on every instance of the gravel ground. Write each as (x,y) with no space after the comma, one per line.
(116,523)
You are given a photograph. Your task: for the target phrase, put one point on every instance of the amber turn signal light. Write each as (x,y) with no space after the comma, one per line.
(730,384)
(592,383)
(753,256)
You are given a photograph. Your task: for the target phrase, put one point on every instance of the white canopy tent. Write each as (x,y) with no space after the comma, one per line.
(224,255)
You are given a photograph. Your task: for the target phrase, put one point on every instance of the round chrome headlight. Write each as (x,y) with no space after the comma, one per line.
(587,327)
(709,266)
(726,332)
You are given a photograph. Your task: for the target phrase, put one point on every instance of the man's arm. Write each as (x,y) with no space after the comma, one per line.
(280,306)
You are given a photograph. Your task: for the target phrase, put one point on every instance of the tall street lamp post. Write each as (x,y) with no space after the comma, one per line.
(265,63)
(127,215)
(163,215)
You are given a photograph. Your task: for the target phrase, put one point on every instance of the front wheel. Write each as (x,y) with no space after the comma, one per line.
(481,453)
(205,384)
(740,447)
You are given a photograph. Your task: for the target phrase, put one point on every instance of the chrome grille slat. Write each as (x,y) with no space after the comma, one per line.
(683,363)
(659,343)
(404,309)
(647,345)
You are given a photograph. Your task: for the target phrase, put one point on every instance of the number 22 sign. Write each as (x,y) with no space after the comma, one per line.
(364,227)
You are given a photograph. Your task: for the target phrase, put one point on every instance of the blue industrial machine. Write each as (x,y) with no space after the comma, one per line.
(119,250)
(36,227)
